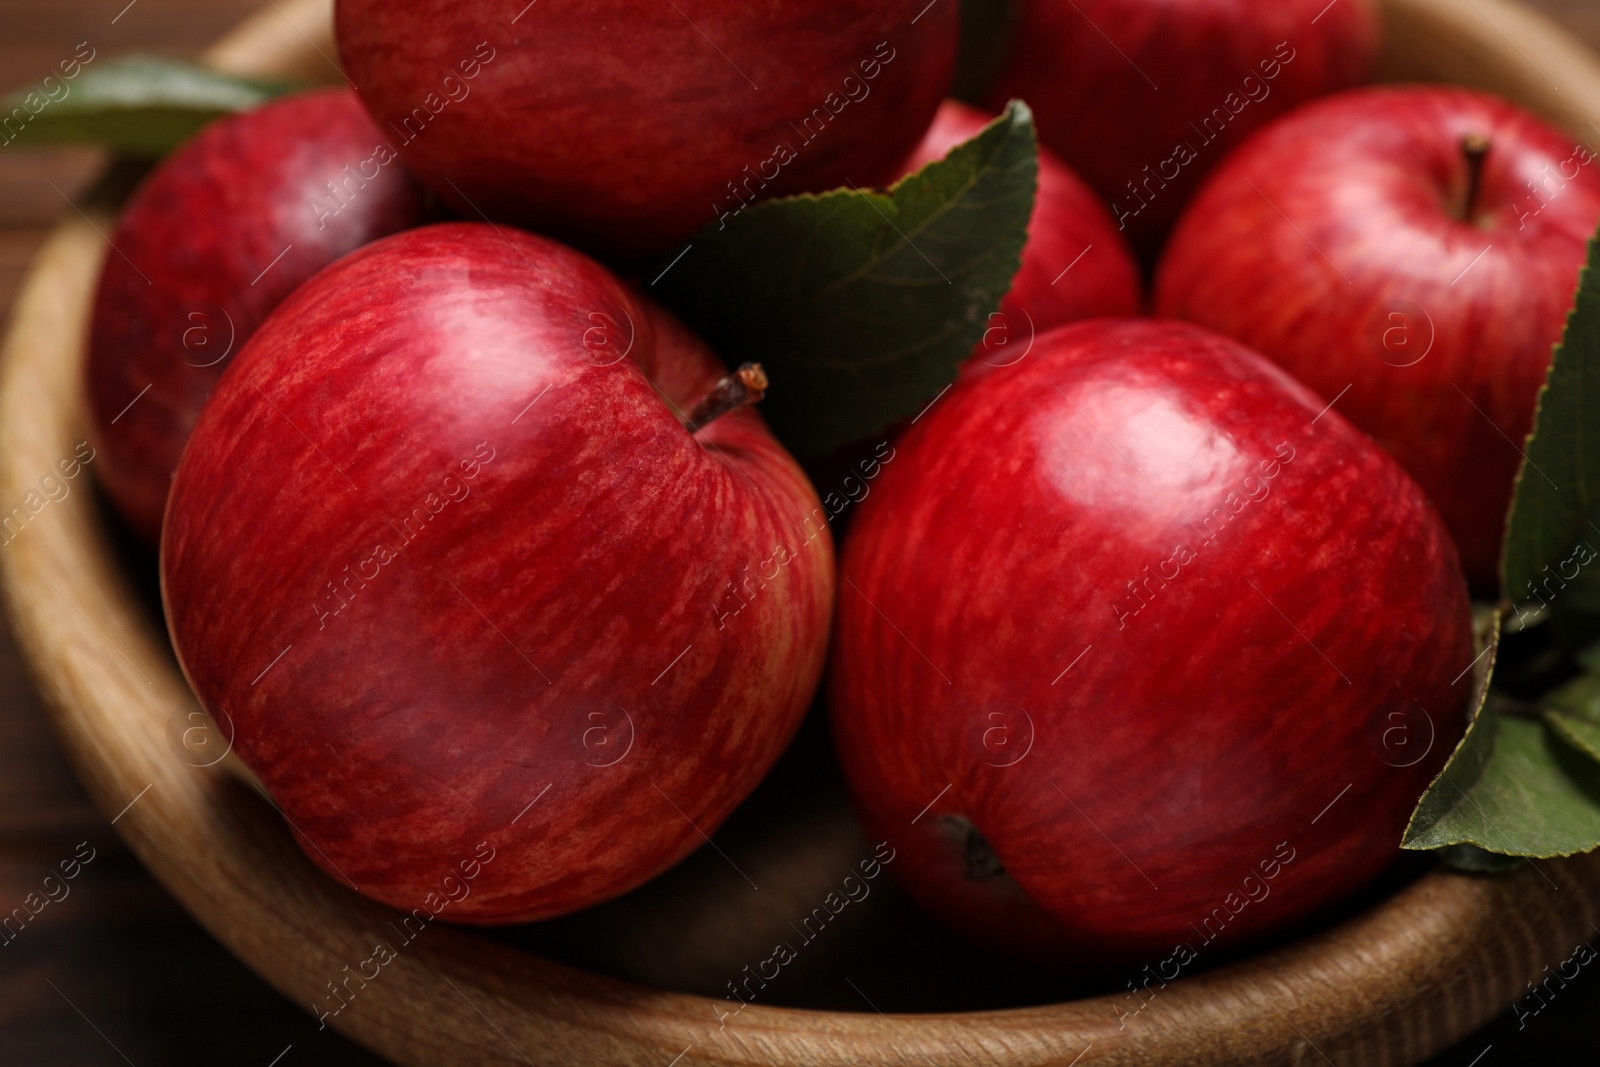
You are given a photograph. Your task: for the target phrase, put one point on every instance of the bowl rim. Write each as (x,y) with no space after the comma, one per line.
(1390,985)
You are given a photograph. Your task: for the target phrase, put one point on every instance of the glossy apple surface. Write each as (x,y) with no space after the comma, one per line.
(213,239)
(1142,97)
(441,549)
(1075,264)
(625,127)
(1358,244)
(1128,635)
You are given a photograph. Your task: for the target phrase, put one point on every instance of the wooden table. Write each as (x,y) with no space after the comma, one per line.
(115,972)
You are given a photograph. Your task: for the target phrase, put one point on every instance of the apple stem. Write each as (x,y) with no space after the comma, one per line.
(746,385)
(1474,146)
(978,857)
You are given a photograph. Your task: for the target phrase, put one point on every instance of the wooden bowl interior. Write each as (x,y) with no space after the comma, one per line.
(1412,966)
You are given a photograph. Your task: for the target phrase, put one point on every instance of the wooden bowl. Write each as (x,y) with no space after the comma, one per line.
(1392,982)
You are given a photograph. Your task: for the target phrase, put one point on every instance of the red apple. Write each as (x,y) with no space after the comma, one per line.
(442,547)
(1410,252)
(1144,96)
(1075,264)
(1137,648)
(626,127)
(213,240)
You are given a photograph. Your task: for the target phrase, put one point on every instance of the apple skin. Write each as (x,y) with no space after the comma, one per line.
(1376,180)
(1070,231)
(570,584)
(618,127)
(1117,85)
(992,666)
(190,279)
(1074,266)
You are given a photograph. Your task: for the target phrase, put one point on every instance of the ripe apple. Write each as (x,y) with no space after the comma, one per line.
(444,552)
(1142,97)
(1411,253)
(1137,649)
(211,241)
(1075,264)
(625,127)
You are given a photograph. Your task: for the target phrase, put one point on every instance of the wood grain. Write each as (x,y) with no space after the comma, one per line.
(1392,984)
(1498,46)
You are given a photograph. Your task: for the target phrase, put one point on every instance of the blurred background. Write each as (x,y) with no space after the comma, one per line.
(121,975)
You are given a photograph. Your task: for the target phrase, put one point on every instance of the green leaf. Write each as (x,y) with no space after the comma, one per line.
(1558,486)
(1471,754)
(862,303)
(1513,786)
(1573,711)
(1525,781)
(137,105)
(1588,656)
(1533,795)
